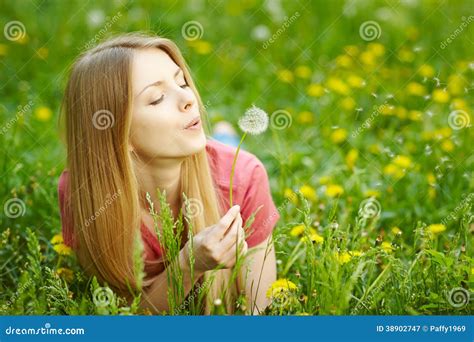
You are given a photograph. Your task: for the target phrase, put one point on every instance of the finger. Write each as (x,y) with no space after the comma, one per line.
(230,259)
(231,235)
(227,220)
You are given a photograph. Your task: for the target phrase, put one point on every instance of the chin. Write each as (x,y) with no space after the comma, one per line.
(196,145)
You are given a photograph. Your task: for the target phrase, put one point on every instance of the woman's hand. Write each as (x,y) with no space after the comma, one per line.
(216,245)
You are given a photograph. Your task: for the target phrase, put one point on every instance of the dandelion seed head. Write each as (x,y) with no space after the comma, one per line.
(254,121)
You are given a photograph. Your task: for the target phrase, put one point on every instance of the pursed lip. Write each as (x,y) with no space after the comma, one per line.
(192,122)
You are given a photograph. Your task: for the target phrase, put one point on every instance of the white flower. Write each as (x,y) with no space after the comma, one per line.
(255,121)
(217,302)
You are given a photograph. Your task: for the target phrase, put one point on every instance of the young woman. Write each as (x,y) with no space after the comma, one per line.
(134,123)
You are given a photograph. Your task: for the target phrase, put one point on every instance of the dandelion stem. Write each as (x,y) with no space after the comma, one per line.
(233,168)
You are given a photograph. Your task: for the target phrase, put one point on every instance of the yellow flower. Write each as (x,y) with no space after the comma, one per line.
(444,132)
(308,192)
(305,117)
(315,90)
(351,158)
(58,238)
(65,273)
(456,104)
(334,190)
(313,237)
(416,89)
(426,70)
(447,145)
(440,96)
(290,195)
(297,230)
(387,247)
(355,81)
(343,257)
(338,135)
(344,61)
(401,112)
(355,253)
(368,58)
(286,76)
(372,193)
(415,115)
(456,84)
(396,230)
(393,170)
(202,47)
(303,71)
(280,287)
(377,49)
(338,86)
(351,50)
(431,178)
(436,228)
(43,113)
(62,249)
(402,161)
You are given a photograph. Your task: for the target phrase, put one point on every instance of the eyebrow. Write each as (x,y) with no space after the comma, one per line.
(157,83)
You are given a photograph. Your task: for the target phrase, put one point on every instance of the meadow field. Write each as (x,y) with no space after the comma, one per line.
(368,150)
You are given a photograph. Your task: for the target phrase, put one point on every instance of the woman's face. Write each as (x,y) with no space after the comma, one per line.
(163,105)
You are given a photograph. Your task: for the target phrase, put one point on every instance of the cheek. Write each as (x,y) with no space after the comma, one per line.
(152,129)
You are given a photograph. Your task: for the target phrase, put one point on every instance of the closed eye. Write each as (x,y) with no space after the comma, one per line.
(154,103)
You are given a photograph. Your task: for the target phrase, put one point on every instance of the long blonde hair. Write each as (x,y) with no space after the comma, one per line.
(101,167)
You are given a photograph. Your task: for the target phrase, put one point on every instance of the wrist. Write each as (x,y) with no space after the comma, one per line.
(185,263)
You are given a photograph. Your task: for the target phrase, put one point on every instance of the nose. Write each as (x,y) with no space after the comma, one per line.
(187,102)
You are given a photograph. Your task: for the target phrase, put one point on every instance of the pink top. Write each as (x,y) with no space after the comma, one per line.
(250,190)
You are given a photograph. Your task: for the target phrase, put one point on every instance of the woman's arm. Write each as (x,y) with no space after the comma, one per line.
(257,274)
(155,298)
